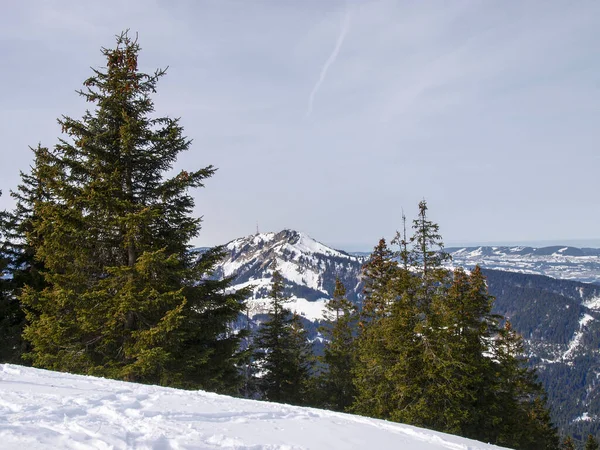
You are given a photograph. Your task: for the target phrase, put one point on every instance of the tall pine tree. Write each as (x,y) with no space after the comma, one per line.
(124,296)
(282,353)
(336,380)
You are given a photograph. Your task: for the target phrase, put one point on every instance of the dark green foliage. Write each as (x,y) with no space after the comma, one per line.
(336,380)
(21,268)
(124,296)
(11,316)
(282,353)
(432,354)
(591,443)
(427,249)
(522,419)
(568,444)
(377,272)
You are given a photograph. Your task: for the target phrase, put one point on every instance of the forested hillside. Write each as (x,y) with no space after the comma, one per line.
(560,321)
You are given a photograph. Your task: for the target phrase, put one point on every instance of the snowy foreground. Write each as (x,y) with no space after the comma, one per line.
(50,410)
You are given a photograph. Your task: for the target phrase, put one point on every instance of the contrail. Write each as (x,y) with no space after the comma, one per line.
(329,62)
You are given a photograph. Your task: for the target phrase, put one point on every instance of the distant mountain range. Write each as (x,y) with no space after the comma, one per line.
(563,262)
(539,289)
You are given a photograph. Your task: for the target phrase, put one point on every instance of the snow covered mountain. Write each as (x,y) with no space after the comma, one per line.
(40,409)
(308,267)
(563,262)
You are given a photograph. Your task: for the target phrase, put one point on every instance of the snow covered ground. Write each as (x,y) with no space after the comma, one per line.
(49,410)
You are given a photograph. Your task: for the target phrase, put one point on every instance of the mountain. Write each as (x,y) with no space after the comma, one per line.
(564,262)
(558,318)
(50,410)
(308,267)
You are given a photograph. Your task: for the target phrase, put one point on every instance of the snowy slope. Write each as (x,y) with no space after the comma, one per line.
(49,410)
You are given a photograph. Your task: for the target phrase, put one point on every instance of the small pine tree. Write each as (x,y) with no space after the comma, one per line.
(427,248)
(282,354)
(377,272)
(568,444)
(591,443)
(336,381)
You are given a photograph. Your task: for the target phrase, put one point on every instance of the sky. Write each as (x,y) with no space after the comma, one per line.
(331,117)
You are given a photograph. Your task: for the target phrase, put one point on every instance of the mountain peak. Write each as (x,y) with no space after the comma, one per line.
(309,268)
(296,242)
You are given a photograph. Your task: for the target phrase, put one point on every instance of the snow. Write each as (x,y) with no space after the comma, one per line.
(576,340)
(311,310)
(48,410)
(592,303)
(585,320)
(306,244)
(298,274)
(559,264)
(585,417)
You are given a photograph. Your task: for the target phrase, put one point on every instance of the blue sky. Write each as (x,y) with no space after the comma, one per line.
(331,116)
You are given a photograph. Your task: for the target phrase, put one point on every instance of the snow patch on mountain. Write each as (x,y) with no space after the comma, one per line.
(577,337)
(592,303)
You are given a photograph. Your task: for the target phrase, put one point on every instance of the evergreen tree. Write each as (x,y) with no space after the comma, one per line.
(11,316)
(568,444)
(436,357)
(591,443)
(427,253)
(336,381)
(282,352)
(20,268)
(124,296)
(377,272)
(522,417)
(388,361)
(426,257)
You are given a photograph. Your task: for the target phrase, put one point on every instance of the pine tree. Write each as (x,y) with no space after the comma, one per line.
(282,352)
(387,348)
(336,381)
(591,443)
(20,266)
(371,389)
(522,417)
(427,253)
(436,357)
(125,297)
(377,272)
(11,316)
(568,444)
